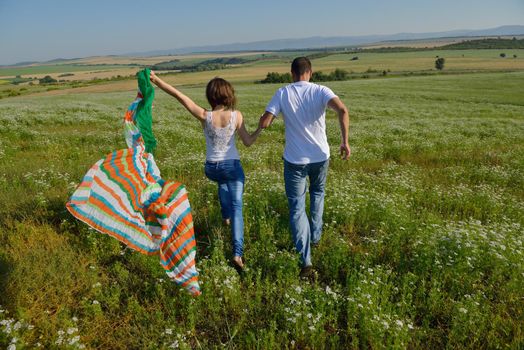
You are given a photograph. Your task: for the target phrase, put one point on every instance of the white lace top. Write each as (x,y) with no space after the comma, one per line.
(220,142)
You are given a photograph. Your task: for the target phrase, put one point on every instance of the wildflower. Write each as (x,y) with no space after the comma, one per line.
(96,302)
(168,331)
(464,311)
(399,323)
(72,330)
(74,340)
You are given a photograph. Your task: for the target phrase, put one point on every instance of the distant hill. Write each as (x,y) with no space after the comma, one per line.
(487,44)
(323,42)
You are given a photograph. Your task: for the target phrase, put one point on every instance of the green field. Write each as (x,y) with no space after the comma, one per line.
(423,243)
(56,68)
(456,60)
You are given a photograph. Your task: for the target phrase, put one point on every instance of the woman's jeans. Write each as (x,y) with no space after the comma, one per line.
(305,231)
(230,178)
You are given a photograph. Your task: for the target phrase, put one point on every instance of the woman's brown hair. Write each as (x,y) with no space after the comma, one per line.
(220,92)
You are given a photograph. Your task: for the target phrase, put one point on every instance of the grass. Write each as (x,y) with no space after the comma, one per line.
(422,246)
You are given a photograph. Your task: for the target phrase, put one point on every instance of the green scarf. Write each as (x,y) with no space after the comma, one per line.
(144,116)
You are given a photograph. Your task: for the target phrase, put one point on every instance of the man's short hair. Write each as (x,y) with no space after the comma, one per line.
(300,65)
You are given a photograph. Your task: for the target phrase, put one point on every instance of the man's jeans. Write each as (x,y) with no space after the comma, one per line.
(230,178)
(304,231)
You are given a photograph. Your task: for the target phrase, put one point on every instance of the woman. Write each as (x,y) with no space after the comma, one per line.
(222,159)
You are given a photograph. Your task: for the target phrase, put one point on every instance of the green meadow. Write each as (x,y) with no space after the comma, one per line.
(422,248)
(55,68)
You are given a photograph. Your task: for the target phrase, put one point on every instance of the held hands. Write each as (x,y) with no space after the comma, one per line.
(345,151)
(265,120)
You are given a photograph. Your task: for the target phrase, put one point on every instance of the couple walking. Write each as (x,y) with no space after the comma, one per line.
(306,154)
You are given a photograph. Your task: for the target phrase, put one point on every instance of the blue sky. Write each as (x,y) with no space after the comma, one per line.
(47,29)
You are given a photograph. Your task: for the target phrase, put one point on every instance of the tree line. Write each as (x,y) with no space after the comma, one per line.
(336,75)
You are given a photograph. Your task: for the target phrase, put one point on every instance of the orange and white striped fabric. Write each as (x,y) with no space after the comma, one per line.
(123,195)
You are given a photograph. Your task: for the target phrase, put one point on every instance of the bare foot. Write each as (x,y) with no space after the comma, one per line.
(238,263)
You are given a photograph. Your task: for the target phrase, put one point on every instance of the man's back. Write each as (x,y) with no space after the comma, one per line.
(303,105)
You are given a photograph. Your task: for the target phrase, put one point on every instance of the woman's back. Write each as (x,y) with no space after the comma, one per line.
(219,130)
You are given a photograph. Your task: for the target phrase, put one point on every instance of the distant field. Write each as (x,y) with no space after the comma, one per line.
(59,68)
(156,59)
(425,60)
(394,63)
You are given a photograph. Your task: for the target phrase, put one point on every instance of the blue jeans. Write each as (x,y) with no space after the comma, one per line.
(305,231)
(230,178)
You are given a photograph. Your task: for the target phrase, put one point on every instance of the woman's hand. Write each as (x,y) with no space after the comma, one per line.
(152,76)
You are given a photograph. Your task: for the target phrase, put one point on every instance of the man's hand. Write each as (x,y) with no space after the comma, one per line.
(345,151)
(265,120)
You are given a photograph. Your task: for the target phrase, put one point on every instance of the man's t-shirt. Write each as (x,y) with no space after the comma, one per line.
(303,105)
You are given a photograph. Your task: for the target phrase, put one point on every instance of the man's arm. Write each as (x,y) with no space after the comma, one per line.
(265,120)
(343,117)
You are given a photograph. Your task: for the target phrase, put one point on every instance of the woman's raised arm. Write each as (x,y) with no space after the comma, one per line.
(197,111)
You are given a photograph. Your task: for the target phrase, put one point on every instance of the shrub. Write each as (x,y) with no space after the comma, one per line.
(47,80)
(339,75)
(503,55)
(319,76)
(274,77)
(439,63)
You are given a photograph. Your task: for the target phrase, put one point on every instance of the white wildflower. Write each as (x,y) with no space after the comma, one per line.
(74,340)
(72,330)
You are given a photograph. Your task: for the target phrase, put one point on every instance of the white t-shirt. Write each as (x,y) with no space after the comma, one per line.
(303,105)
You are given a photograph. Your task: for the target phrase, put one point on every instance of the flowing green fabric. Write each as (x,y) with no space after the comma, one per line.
(144,116)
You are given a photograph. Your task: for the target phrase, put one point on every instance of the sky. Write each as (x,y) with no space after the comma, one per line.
(37,30)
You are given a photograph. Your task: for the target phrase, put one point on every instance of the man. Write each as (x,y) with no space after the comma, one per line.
(306,154)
